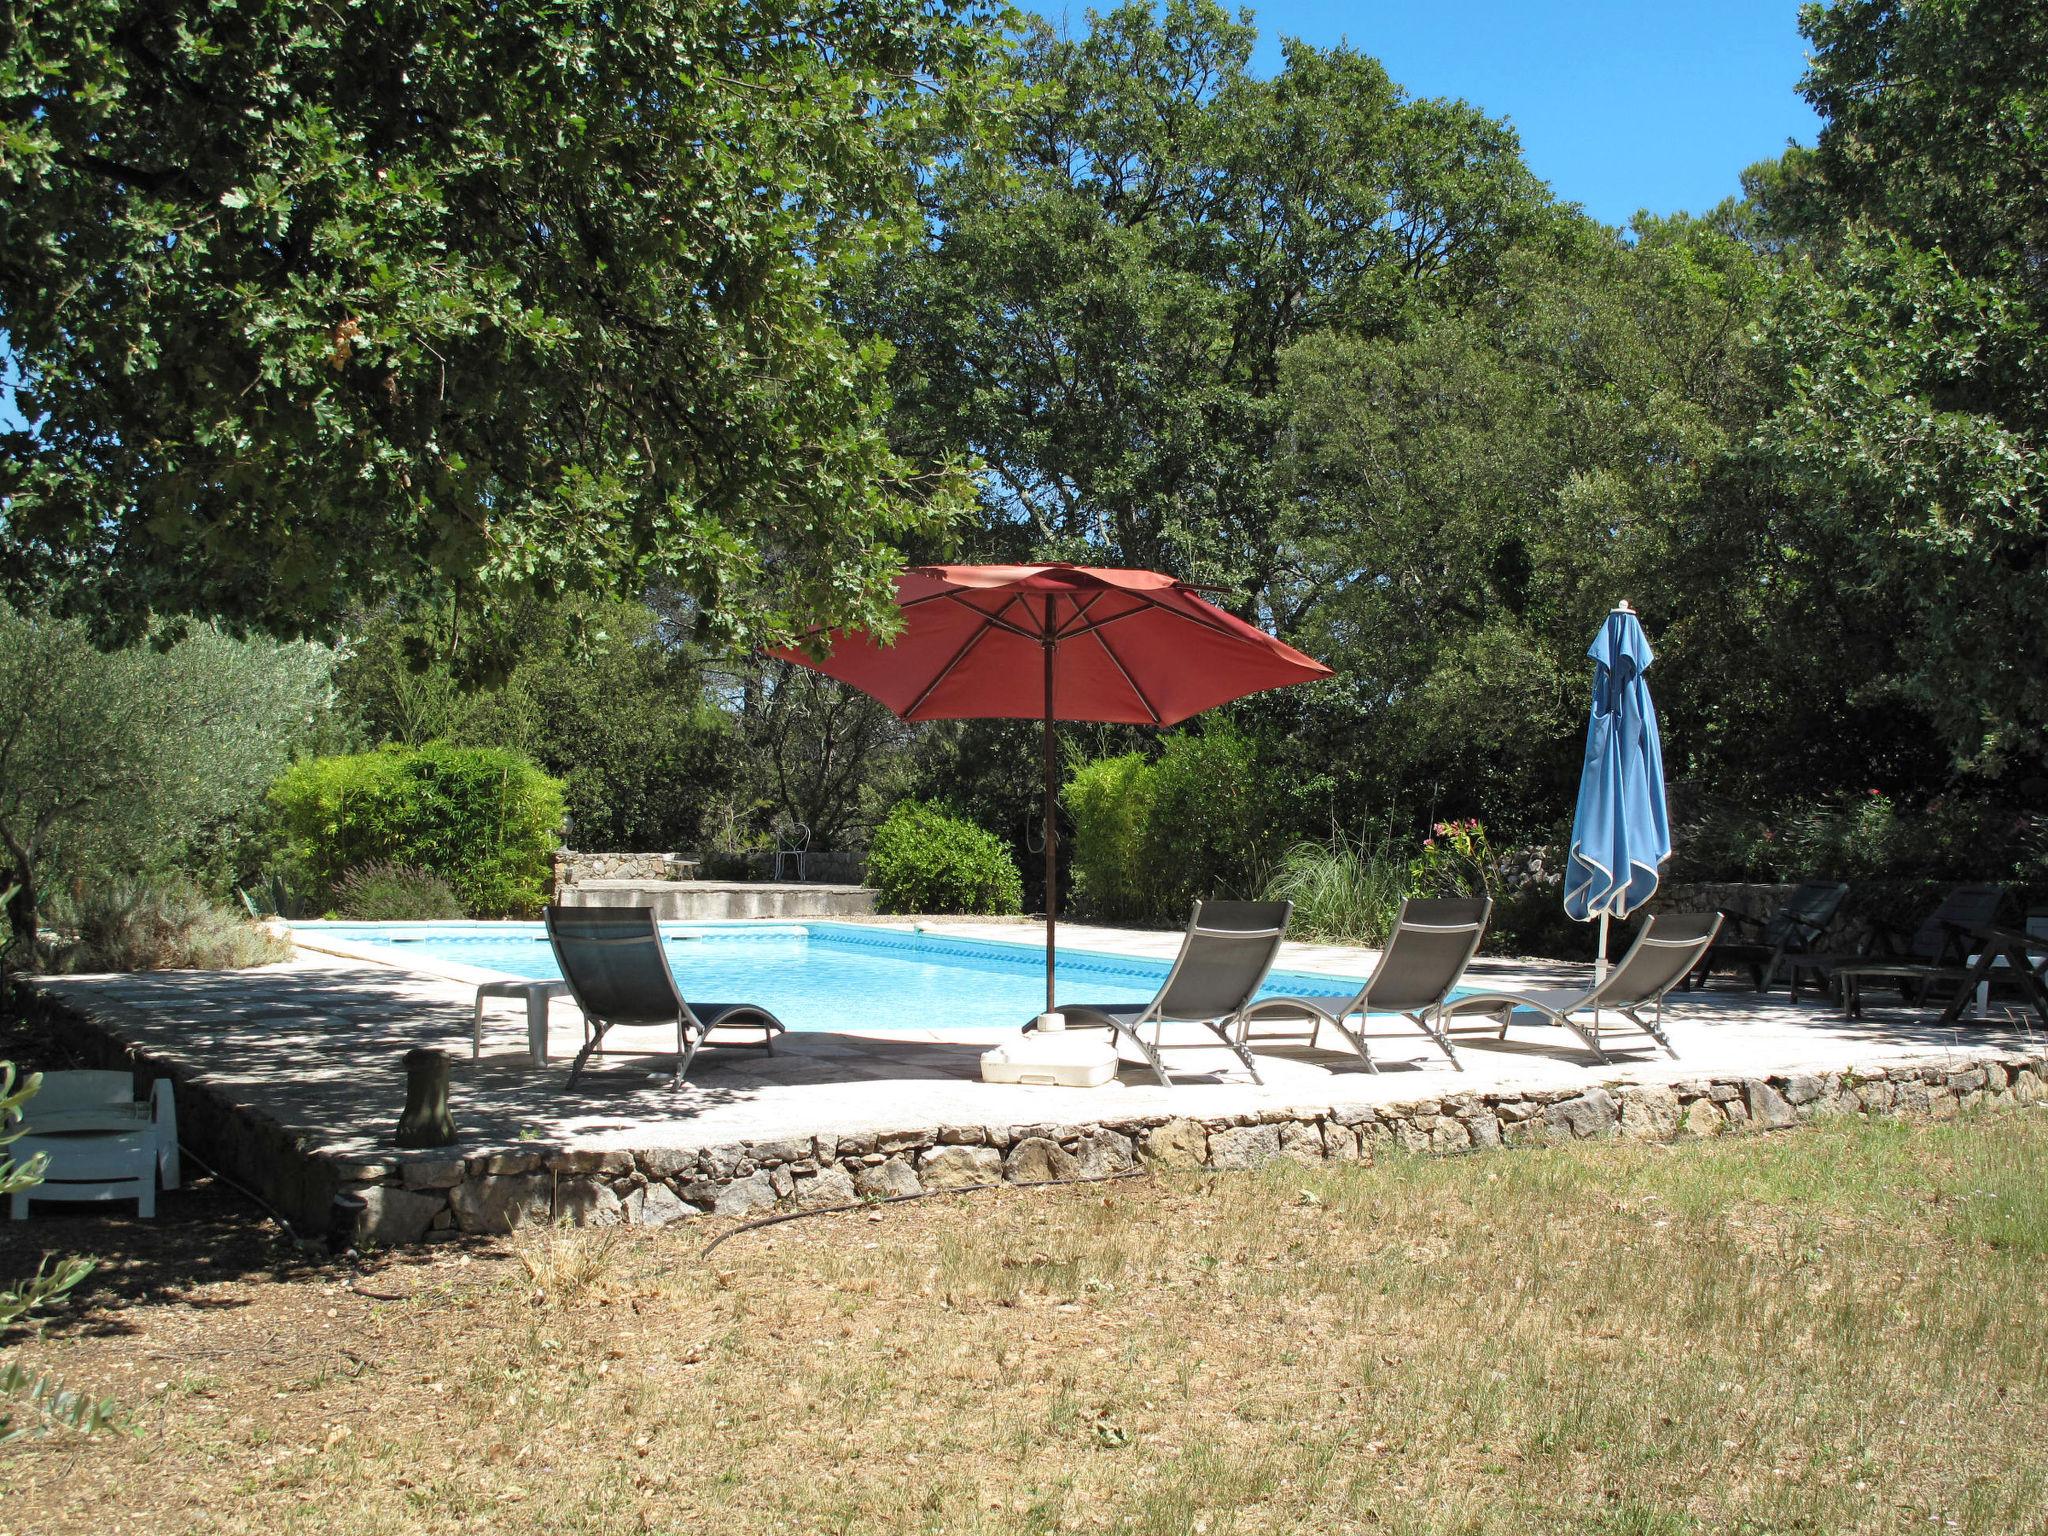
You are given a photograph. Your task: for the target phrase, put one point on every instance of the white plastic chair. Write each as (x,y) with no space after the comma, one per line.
(101,1141)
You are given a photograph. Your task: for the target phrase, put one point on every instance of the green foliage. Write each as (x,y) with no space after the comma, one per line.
(314,303)
(1108,803)
(1205,836)
(1913,444)
(162,924)
(1456,859)
(273,896)
(607,697)
(1907,454)
(1353,890)
(50,1401)
(1151,838)
(1866,835)
(1100,315)
(1471,496)
(924,859)
(483,818)
(140,758)
(1933,120)
(384,892)
(1343,890)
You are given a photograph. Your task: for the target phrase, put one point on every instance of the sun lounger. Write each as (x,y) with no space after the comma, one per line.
(1434,939)
(1767,947)
(1936,953)
(618,973)
(1667,949)
(1224,957)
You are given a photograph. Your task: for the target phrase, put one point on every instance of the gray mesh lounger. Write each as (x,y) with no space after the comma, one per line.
(618,973)
(1224,957)
(1669,946)
(1434,939)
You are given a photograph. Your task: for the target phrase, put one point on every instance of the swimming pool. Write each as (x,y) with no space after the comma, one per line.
(823,975)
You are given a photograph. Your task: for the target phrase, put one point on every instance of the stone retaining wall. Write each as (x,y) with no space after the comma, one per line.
(406,1199)
(572,867)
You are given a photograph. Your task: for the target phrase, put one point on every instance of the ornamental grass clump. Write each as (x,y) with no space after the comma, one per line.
(160,925)
(383,891)
(1342,890)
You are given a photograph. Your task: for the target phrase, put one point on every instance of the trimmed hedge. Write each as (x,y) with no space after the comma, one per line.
(925,859)
(484,819)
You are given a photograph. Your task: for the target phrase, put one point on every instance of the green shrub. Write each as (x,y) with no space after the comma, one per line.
(1206,834)
(1864,836)
(925,859)
(1345,890)
(167,925)
(482,818)
(383,892)
(1109,806)
(1152,838)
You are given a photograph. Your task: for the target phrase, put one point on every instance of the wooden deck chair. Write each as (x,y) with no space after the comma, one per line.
(1935,954)
(2008,957)
(1767,946)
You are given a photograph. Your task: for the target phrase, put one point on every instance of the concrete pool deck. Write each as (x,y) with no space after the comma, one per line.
(289,1076)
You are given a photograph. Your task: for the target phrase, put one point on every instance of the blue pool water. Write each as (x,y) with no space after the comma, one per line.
(828,975)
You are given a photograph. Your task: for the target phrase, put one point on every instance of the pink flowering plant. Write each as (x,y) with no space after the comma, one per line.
(1456,859)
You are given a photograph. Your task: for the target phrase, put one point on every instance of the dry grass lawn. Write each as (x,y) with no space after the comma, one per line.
(1832,1329)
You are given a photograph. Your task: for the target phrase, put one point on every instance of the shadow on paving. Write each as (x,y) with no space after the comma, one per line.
(321,1049)
(1888,1019)
(202,1234)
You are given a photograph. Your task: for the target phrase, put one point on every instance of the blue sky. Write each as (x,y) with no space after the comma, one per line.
(1620,106)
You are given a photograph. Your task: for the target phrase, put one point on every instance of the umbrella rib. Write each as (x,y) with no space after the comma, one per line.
(994,619)
(1081,609)
(1136,692)
(959,656)
(1145,603)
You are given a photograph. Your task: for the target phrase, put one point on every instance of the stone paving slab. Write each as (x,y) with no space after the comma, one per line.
(301,1061)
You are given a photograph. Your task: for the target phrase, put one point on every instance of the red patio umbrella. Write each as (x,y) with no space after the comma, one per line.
(1058,642)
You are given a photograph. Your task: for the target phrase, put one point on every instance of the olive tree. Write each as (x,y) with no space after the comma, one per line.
(120,759)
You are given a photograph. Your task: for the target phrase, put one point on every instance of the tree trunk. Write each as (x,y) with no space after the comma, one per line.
(21,907)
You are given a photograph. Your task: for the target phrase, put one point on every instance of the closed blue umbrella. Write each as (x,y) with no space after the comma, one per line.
(1621,832)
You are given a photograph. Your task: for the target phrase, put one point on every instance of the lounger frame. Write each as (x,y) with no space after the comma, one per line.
(643,996)
(1663,954)
(1401,985)
(1189,997)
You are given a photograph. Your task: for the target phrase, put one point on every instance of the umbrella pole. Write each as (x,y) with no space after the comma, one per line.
(1051,813)
(1600,960)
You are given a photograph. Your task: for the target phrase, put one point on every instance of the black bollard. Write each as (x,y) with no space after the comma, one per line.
(426,1121)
